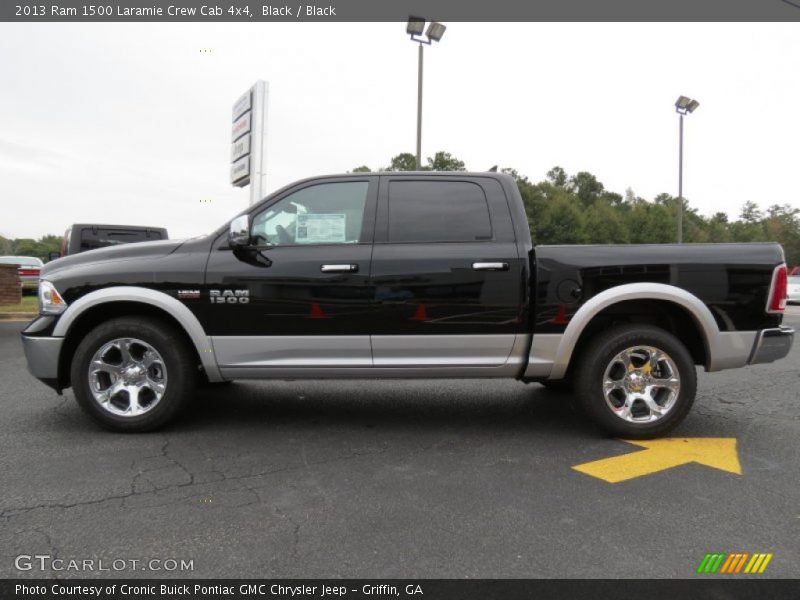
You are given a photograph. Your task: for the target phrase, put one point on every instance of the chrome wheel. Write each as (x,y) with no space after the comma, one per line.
(127,377)
(641,384)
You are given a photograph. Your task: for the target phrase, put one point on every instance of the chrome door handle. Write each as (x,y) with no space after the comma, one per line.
(489,266)
(339,268)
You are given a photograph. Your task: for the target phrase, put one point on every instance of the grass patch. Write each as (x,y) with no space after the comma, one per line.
(28,304)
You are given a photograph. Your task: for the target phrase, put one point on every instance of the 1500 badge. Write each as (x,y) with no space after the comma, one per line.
(229,296)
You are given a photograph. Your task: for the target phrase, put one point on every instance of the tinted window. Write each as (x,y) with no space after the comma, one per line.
(438,211)
(328,213)
(100,238)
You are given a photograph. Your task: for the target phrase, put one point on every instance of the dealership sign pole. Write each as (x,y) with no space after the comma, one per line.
(249,140)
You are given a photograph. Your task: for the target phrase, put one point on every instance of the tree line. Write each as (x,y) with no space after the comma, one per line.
(40,248)
(577,209)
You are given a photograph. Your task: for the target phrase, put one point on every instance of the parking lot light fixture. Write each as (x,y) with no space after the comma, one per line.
(435,31)
(683,106)
(414,28)
(416,25)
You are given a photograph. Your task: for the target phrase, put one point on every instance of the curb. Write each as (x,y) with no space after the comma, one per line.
(17,316)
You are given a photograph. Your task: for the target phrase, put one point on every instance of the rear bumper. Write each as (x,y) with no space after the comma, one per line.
(771,345)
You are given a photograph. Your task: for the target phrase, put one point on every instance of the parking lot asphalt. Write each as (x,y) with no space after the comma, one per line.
(381,479)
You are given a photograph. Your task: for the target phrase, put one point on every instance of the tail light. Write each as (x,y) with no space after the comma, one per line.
(28,272)
(778,291)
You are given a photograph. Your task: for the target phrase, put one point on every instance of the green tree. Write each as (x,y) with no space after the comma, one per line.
(520,179)
(560,222)
(557,176)
(750,212)
(651,223)
(404,161)
(587,188)
(362,169)
(605,225)
(444,161)
(25,247)
(750,225)
(718,228)
(50,243)
(40,248)
(782,225)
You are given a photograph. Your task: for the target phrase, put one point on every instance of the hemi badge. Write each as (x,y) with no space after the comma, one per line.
(188,294)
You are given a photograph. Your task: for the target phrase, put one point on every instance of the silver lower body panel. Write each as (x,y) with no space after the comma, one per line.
(369,372)
(292,351)
(418,356)
(42,354)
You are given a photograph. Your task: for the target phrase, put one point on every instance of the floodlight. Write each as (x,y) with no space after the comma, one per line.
(416,25)
(435,31)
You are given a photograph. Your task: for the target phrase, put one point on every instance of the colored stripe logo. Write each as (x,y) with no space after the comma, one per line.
(734,563)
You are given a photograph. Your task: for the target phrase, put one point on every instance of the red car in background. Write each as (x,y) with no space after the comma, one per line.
(28,270)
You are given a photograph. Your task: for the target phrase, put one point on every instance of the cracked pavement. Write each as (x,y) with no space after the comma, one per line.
(392,479)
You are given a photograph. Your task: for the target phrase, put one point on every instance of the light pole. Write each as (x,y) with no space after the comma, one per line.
(683,106)
(415,27)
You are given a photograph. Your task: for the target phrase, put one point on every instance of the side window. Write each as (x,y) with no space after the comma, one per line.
(438,211)
(328,213)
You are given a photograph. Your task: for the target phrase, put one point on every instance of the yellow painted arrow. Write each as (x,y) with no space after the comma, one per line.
(719,453)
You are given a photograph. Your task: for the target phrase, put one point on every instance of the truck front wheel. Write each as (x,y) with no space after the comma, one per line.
(636,381)
(133,374)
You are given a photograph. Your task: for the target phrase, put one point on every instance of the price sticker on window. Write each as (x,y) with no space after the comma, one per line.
(320,228)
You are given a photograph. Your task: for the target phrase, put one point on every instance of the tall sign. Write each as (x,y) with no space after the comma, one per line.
(249,140)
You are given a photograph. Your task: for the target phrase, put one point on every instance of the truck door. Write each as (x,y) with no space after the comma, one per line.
(448,279)
(303,300)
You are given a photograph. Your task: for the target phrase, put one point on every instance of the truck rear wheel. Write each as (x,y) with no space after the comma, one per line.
(133,374)
(636,381)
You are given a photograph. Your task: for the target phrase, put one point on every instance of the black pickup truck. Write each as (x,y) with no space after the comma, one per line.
(404,275)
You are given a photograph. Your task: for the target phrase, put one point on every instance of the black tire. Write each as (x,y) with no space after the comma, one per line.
(178,357)
(600,353)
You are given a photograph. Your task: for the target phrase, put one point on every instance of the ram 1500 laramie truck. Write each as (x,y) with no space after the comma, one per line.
(403,275)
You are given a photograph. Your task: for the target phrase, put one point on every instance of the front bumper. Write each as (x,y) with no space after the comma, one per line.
(42,355)
(771,345)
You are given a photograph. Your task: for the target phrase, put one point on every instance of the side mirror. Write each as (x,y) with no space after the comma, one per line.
(53,256)
(239,234)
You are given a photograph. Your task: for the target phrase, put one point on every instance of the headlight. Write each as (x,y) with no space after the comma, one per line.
(50,301)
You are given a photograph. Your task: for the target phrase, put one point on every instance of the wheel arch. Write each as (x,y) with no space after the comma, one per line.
(99,306)
(694,322)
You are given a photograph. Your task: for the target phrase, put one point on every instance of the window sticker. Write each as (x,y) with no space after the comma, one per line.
(320,228)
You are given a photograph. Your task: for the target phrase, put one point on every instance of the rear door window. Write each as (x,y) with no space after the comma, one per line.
(438,211)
